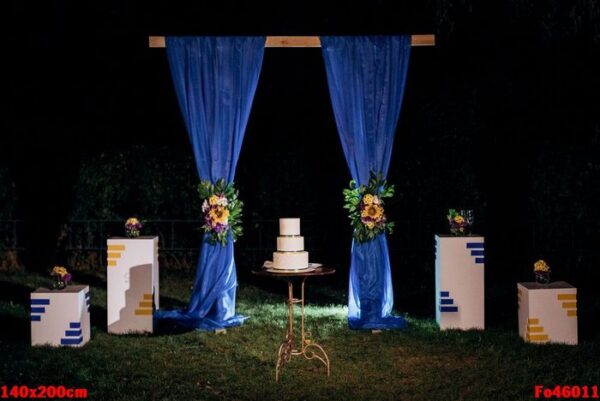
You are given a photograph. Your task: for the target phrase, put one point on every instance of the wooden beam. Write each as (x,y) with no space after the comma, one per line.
(299,41)
(156,41)
(422,40)
(293,41)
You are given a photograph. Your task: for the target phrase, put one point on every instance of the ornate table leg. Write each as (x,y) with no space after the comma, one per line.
(308,349)
(307,343)
(287,346)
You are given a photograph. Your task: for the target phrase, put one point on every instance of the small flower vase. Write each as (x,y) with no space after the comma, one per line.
(60,285)
(542,277)
(132,233)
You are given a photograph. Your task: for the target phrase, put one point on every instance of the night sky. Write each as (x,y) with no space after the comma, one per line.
(502,115)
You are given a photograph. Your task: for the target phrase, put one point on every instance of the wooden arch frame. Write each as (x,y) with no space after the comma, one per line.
(299,41)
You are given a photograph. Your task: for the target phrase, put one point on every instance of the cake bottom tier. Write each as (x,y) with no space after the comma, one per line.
(290,260)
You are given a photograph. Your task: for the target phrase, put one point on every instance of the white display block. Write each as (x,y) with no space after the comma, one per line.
(547,312)
(60,317)
(459,282)
(132,284)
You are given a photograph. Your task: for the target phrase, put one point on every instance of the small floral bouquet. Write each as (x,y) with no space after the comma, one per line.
(541,271)
(222,211)
(366,207)
(61,277)
(458,223)
(133,227)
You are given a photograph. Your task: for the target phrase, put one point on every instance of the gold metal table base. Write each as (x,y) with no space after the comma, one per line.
(308,348)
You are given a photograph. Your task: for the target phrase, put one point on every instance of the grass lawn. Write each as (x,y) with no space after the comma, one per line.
(420,363)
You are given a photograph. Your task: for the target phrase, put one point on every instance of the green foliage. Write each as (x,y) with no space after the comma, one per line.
(365,227)
(152,182)
(221,191)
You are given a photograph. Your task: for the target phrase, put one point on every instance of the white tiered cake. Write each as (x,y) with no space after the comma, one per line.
(290,254)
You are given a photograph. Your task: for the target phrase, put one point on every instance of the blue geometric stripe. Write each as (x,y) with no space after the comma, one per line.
(74,325)
(444,293)
(36,318)
(446,301)
(477,253)
(40,302)
(448,308)
(72,333)
(478,245)
(38,310)
(479,261)
(71,341)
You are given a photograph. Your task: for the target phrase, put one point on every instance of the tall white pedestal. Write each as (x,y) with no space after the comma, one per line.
(459,282)
(60,317)
(547,312)
(132,281)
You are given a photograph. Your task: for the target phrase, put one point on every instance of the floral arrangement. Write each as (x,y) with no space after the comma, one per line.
(366,207)
(222,211)
(541,271)
(61,277)
(458,223)
(133,227)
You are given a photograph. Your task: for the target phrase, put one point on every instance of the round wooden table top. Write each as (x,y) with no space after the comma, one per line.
(319,271)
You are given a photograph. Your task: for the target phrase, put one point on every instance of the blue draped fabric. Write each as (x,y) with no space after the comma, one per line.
(215,79)
(366,77)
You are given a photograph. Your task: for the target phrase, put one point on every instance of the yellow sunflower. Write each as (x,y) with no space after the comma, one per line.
(219,215)
(59,270)
(459,219)
(540,266)
(367,199)
(213,200)
(372,211)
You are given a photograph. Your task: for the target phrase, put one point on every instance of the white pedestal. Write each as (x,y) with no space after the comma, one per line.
(459,282)
(132,281)
(547,312)
(60,317)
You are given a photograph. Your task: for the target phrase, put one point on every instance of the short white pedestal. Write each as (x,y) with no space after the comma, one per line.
(60,317)
(132,284)
(459,282)
(547,312)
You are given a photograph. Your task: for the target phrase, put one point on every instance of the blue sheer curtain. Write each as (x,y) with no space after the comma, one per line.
(215,79)
(366,77)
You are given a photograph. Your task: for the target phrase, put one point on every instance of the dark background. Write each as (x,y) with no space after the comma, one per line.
(502,116)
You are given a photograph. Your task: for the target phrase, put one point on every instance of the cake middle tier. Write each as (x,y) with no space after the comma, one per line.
(290,243)
(290,260)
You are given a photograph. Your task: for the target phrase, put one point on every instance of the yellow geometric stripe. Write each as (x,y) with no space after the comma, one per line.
(567,305)
(145,308)
(565,297)
(572,312)
(116,247)
(537,337)
(535,329)
(112,263)
(116,255)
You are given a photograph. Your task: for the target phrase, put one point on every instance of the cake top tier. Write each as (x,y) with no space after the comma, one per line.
(289,226)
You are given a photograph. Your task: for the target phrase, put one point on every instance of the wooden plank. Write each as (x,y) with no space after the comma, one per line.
(422,40)
(299,41)
(156,41)
(293,41)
